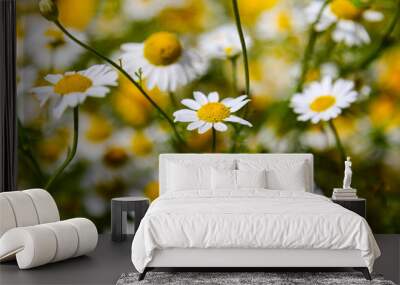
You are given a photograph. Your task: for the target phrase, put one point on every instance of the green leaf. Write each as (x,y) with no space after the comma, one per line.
(357,3)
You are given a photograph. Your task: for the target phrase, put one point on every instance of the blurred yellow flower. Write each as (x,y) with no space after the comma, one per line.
(51,148)
(151,190)
(141,144)
(193,17)
(77,14)
(132,106)
(345,126)
(389,71)
(384,112)
(115,157)
(251,10)
(99,128)
(346,18)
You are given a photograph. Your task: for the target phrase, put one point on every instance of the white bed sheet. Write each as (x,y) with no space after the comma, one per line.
(252,218)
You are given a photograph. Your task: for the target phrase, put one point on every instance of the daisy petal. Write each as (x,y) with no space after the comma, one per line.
(53,78)
(230,102)
(195,125)
(190,103)
(185,115)
(236,119)
(200,98)
(205,128)
(221,127)
(239,105)
(373,16)
(213,97)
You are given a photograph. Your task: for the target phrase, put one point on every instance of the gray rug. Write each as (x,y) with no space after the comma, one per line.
(243,278)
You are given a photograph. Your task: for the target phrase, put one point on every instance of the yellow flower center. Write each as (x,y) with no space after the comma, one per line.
(322,103)
(162,48)
(99,129)
(55,37)
(115,157)
(141,144)
(228,51)
(284,22)
(213,112)
(72,83)
(345,9)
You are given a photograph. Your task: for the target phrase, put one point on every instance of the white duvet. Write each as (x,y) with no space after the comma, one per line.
(253,218)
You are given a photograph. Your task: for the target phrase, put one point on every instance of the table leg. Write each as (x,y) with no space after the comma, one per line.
(116,221)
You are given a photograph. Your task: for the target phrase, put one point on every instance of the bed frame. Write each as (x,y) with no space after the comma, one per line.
(246,258)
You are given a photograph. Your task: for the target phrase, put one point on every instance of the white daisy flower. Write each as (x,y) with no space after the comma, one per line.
(346,15)
(223,42)
(280,22)
(207,112)
(47,46)
(71,88)
(324,100)
(165,63)
(147,9)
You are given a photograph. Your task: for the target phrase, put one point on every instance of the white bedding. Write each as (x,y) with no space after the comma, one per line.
(252,218)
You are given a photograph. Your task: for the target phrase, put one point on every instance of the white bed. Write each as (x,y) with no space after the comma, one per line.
(250,227)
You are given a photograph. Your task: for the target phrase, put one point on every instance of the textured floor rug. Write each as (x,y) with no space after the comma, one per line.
(244,278)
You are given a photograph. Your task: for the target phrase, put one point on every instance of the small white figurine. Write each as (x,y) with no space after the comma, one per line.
(347,174)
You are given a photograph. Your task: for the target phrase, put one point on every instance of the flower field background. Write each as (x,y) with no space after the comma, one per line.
(104,86)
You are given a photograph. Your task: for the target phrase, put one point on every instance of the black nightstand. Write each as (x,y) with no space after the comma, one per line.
(358,205)
(119,208)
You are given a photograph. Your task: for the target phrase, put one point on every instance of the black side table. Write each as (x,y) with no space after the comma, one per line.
(119,210)
(358,205)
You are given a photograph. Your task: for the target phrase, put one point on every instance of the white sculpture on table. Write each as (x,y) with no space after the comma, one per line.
(347,174)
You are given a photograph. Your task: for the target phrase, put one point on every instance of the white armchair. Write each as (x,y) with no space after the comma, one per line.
(31,230)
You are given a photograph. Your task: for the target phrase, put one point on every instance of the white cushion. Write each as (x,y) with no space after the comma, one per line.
(23,208)
(227,179)
(223,179)
(45,205)
(251,178)
(26,208)
(40,244)
(7,220)
(281,174)
(186,175)
(30,230)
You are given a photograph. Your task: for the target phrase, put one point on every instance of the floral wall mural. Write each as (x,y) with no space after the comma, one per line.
(105,86)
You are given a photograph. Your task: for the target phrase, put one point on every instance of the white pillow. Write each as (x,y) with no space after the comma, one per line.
(184,174)
(251,178)
(227,179)
(223,179)
(281,174)
(181,177)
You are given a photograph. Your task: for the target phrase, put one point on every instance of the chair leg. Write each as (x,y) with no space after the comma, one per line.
(143,274)
(364,271)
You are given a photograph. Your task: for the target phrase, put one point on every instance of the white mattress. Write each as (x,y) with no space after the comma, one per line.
(251,219)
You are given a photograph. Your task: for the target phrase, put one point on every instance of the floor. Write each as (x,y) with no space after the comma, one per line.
(110,260)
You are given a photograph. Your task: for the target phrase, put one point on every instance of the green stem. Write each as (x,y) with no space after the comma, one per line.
(233,61)
(214,140)
(364,63)
(243,44)
(338,141)
(71,152)
(126,74)
(24,147)
(309,50)
(173,99)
